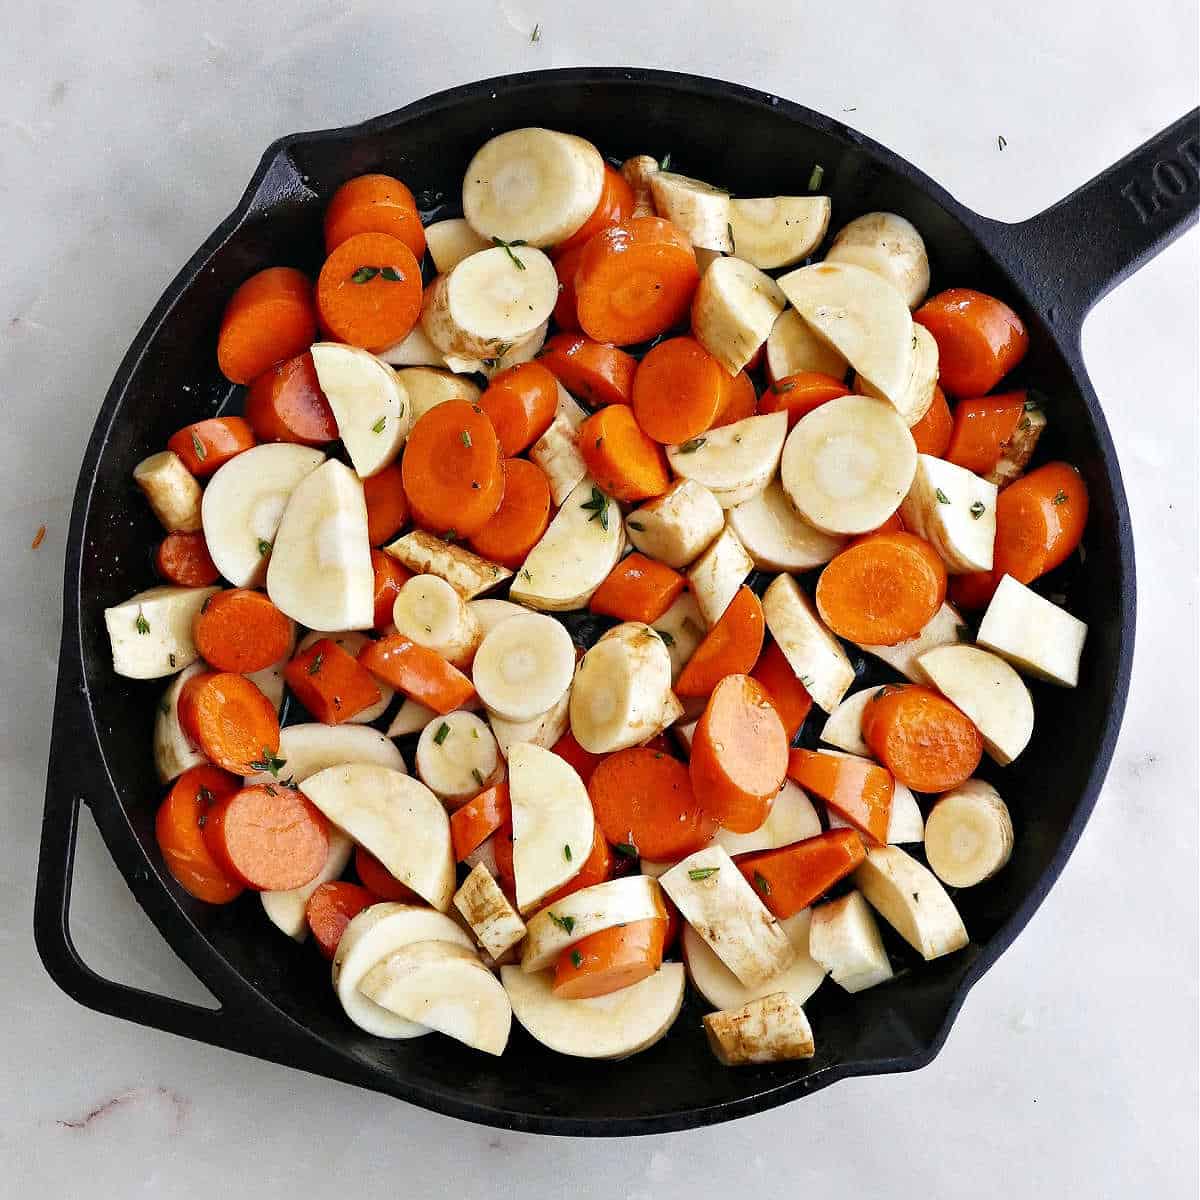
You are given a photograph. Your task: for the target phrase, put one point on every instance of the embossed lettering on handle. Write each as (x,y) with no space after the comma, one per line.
(1167,181)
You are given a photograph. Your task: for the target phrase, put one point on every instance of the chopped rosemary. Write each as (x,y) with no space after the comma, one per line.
(566,924)
(264,547)
(978,509)
(443,732)
(626,849)
(692,445)
(477,775)
(141,624)
(665,165)
(391,275)
(536,36)
(816,178)
(316,664)
(364,274)
(198,447)
(379,425)
(762,883)
(942,498)
(269,762)
(668,639)
(507,246)
(599,507)
(567,853)
(1060,497)
(699,873)
(465,437)
(780,386)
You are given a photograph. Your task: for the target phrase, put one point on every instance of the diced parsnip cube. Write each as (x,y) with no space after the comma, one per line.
(151,633)
(449,242)
(844,939)
(484,907)
(1033,634)
(678,526)
(172,490)
(813,653)
(773,1029)
(734,309)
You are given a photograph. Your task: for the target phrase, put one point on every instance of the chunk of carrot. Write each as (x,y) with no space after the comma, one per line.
(637,589)
(731,646)
(790,878)
(739,400)
(932,431)
(379,881)
(799,394)
(476,821)
(271,317)
(921,738)
(979,339)
(230,721)
(983,428)
(520,402)
(584,761)
(374,204)
(286,404)
(420,673)
(857,790)
(330,908)
(333,685)
(183,558)
(369,291)
(390,577)
(610,960)
(678,390)
(241,630)
(622,460)
(206,445)
(597,374)
(387,505)
(566,263)
(522,517)
(614,206)
(790,696)
(179,829)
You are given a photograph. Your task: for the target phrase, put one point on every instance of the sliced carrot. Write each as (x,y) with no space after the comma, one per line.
(387,505)
(520,403)
(932,431)
(269,318)
(979,339)
(792,877)
(857,790)
(922,739)
(614,206)
(596,374)
(739,754)
(566,263)
(206,445)
(374,204)
(883,589)
(643,798)
(622,460)
(739,400)
(241,630)
(611,959)
(333,685)
(678,390)
(452,469)
(637,589)
(731,647)
(285,404)
(390,577)
(269,837)
(418,672)
(983,428)
(799,394)
(369,291)
(183,558)
(379,881)
(790,697)
(584,761)
(599,866)
(330,908)
(635,281)
(476,821)
(230,721)
(521,518)
(502,847)
(179,829)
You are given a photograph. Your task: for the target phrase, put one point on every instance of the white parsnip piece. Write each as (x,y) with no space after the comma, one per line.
(735,462)
(734,310)
(793,347)
(891,247)
(911,900)
(844,939)
(468,573)
(699,209)
(151,633)
(716,576)
(484,907)
(954,510)
(1033,634)
(172,491)
(449,242)
(678,526)
(427,388)
(945,628)
(813,653)
(778,231)
(773,1029)
(969,834)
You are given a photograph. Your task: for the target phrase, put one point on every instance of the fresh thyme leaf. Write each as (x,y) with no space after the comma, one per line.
(816,178)
(465,437)
(942,498)
(668,639)
(198,447)
(204,796)
(978,509)
(443,732)
(451,535)
(378,427)
(507,246)
(692,445)
(567,853)
(392,275)
(665,165)
(566,924)
(264,547)
(1001,141)
(527,575)
(762,883)
(477,775)
(1060,497)
(699,873)
(316,664)
(141,624)
(536,35)
(268,762)
(576,959)
(626,849)
(732,243)
(364,274)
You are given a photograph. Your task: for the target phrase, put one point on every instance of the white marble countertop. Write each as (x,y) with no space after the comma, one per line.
(127,130)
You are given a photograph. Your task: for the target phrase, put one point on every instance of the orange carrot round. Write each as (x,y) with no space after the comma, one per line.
(179,830)
(979,339)
(926,743)
(387,505)
(637,589)
(614,206)
(241,630)
(611,959)
(566,263)
(584,761)
(678,390)
(269,837)
(739,400)
(982,429)
(799,394)
(856,789)
(206,445)
(369,291)
(379,881)
(390,577)
(521,518)
(596,374)
(932,431)
(285,404)
(739,754)
(792,877)
(332,684)
(374,204)
(883,589)
(332,907)
(622,460)
(269,318)
(476,821)
(731,647)
(520,403)
(229,720)
(183,558)
(635,281)
(420,673)
(790,696)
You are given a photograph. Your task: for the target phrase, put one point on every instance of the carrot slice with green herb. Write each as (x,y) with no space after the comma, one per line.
(983,428)
(731,646)
(420,673)
(179,830)
(270,318)
(792,877)
(231,722)
(369,291)
(637,589)
(857,790)
(622,460)
(206,445)
(333,685)
(611,959)
(799,394)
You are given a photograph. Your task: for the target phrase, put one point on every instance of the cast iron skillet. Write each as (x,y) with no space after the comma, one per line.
(275,998)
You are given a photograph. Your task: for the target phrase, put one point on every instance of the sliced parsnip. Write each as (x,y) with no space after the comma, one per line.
(410,717)
(427,388)
(778,231)
(734,310)
(699,209)
(1019,448)
(969,834)
(352,642)
(416,350)
(913,402)
(638,172)
(484,907)
(735,462)
(718,903)
(590,910)
(813,653)
(457,757)
(557,453)
(397,818)
(574,555)
(772,1029)
(430,612)
(848,464)
(793,347)
(954,511)
(891,247)
(989,691)
(1033,634)
(843,729)
(714,578)
(524,666)
(172,491)
(320,572)
(911,900)
(489,613)
(244,502)
(543,730)
(777,537)
(844,939)
(681,628)
(369,404)
(151,633)
(286,910)
(792,818)
(550,810)
(945,628)
(173,753)
(309,748)
(450,241)
(677,526)
(622,1023)
(469,574)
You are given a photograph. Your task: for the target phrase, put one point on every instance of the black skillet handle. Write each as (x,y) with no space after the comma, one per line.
(1090,241)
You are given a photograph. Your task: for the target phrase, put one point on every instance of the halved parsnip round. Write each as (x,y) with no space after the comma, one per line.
(813,653)
(622,1023)
(715,577)
(243,504)
(911,900)
(524,666)
(735,462)
(532,185)
(427,388)
(430,612)
(843,729)
(151,633)
(678,526)
(969,834)
(457,757)
(286,910)
(792,819)
(369,404)
(699,209)
(734,310)
(1037,636)
(543,730)
(844,939)
(309,748)
(848,464)
(776,536)
(489,613)
(173,753)
(915,399)
(891,247)
(352,642)
(375,933)
(637,172)
(416,350)
(450,241)
(778,231)
(954,510)
(793,347)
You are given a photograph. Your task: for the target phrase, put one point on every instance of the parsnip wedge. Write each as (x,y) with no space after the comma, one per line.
(173,753)
(446,988)
(954,511)
(676,527)
(544,730)
(844,939)
(843,729)
(637,172)
(308,748)
(792,819)
(714,578)
(352,642)
(812,651)
(550,810)
(945,628)
(574,555)
(285,910)
(911,900)
(733,311)
(410,717)
(989,691)
(681,628)
(243,504)
(778,231)
(735,462)
(889,246)
(369,404)
(622,1023)
(772,1029)
(699,209)
(969,834)
(718,903)
(484,907)
(457,757)
(1036,636)
(557,453)
(489,613)
(172,491)
(524,666)
(397,818)
(416,350)
(467,573)
(793,347)
(320,572)
(151,633)
(777,537)
(914,401)
(450,241)
(431,613)
(426,388)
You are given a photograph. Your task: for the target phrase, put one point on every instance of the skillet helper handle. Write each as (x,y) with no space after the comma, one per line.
(1104,231)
